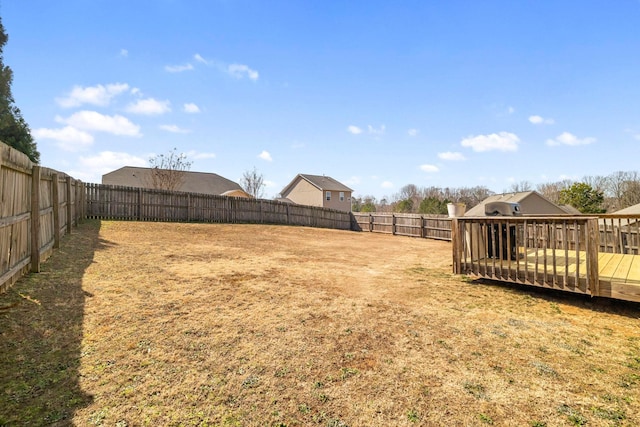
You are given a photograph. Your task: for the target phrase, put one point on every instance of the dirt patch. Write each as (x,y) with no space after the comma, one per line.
(217,324)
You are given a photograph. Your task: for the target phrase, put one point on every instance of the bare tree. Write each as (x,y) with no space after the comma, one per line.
(168,170)
(621,189)
(521,186)
(597,182)
(551,190)
(253,183)
(631,195)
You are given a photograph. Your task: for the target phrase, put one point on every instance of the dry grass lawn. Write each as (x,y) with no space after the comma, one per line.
(154,324)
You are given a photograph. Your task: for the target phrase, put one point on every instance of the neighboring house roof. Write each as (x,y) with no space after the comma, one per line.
(570,209)
(285,200)
(321,182)
(531,203)
(194,182)
(631,210)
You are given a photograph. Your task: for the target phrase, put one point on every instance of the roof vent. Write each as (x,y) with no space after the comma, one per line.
(502,209)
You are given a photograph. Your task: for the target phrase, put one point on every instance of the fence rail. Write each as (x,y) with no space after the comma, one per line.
(38,206)
(414,225)
(140,204)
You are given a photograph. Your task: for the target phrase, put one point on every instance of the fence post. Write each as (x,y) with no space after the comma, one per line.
(35,219)
(422,230)
(56,210)
(393,224)
(188,207)
(593,245)
(69,206)
(79,202)
(139,204)
(455,243)
(371,223)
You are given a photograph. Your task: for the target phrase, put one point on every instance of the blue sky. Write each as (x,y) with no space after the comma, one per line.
(376,94)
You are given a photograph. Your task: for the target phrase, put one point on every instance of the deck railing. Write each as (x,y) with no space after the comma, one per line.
(619,234)
(555,252)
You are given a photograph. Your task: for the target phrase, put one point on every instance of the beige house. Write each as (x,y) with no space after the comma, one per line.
(318,190)
(531,203)
(191,182)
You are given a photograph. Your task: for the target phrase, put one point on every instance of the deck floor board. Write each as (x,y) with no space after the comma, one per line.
(619,274)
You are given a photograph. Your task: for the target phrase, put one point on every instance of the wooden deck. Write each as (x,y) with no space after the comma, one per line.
(619,274)
(597,256)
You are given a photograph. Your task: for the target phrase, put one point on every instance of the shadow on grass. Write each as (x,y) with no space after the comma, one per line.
(600,304)
(41,319)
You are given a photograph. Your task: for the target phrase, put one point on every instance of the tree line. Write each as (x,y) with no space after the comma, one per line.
(14,130)
(590,195)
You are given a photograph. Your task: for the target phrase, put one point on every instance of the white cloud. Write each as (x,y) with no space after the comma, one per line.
(429,168)
(191,108)
(200,59)
(566,138)
(265,156)
(374,131)
(94,121)
(451,155)
(503,141)
(386,184)
(124,53)
(178,68)
(68,138)
(195,155)
(93,167)
(354,130)
(354,180)
(510,110)
(149,107)
(174,129)
(239,71)
(539,120)
(96,95)
(413,132)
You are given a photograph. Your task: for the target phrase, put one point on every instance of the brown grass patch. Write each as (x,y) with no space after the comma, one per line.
(191,324)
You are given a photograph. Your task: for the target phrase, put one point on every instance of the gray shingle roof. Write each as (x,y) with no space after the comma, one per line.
(321,182)
(194,182)
(631,210)
(325,182)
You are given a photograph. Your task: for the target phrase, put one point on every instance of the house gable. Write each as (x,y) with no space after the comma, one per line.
(312,190)
(531,203)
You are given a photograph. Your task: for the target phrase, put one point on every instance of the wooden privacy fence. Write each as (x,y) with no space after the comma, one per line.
(619,234)
(414,225)
(141,204)
(38,206)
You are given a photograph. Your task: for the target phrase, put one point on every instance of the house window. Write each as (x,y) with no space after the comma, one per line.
(342,196)
(328,195)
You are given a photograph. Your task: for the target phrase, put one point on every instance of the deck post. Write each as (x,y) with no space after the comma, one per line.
(592,247)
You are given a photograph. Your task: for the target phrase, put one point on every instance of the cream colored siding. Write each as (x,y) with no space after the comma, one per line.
(315,190)
(335,203)
(303,193)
